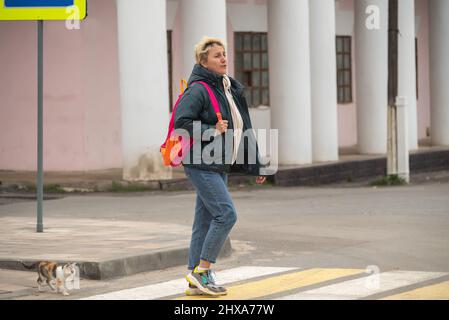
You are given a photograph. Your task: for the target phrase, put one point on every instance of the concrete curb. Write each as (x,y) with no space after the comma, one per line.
(307,175)
(123,266)
(182,184)
(24,196)
(349,170)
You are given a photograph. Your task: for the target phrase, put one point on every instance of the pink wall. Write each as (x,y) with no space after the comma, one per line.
(347,129)
(347,125)
(82,120)
(422,13)
(347,113)
(345,4)
(230,48)
(81,93)
(177,52)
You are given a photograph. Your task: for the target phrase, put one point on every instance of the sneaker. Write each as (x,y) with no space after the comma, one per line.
(204,282)
(212,278)
(193,291)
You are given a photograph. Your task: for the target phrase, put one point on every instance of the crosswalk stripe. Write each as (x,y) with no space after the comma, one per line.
(367,286)
(277,284)
(438,291)
(174,287)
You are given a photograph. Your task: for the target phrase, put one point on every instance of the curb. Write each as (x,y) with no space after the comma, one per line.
(349,170)
(13,191)
(309,175)
(123,266)
(29,196)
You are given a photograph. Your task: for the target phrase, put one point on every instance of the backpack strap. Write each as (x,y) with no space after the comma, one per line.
(171,125)
(213,99)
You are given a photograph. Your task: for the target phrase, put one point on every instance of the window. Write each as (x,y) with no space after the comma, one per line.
(170,69)
(251,66)
(344,69)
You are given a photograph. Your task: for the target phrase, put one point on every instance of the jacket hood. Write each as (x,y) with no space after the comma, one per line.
(199,73)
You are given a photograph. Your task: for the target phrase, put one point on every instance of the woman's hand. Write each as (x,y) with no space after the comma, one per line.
(261,179)
(222,126)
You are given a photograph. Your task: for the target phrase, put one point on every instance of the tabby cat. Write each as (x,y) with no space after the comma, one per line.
(54,275)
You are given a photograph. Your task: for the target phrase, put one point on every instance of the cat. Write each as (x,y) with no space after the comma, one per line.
(53,274)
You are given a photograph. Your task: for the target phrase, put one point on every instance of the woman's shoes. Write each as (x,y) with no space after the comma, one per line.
(193,291)
(203,283)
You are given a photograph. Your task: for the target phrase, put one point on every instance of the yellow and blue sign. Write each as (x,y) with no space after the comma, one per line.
(43,9)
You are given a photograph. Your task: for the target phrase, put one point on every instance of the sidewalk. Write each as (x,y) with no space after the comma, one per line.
(103,248)
(95,181)
(81,181)
(106,244)
(349,167)
(348,224)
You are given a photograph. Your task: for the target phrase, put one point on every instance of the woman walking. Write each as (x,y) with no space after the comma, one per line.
(211,159)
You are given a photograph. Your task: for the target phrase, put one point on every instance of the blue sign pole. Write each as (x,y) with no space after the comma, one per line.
(40,107)
(40,10)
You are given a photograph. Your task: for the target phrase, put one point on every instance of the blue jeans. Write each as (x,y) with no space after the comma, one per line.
(215,215)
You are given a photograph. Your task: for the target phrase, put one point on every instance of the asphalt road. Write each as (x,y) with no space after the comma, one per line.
(341,226)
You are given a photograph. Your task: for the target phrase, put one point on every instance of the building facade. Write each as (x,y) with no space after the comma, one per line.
(316,70)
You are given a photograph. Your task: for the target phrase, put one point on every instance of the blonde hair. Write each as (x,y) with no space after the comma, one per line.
(203,47)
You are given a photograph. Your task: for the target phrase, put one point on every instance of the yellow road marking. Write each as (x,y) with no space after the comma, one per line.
(438,291)
(278,284)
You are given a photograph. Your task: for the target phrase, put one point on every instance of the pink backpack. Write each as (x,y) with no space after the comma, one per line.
(175,148)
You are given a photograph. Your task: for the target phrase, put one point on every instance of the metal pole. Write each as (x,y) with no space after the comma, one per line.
(40,81)
(393,52)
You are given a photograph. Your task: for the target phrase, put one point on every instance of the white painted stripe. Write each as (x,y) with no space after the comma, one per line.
(178,286)
(366,286)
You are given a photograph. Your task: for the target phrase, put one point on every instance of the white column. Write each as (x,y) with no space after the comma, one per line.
(143,86)
(407,67)
(439,71)
(289,60)
(200,18)
(323,80)
(371,52)
(402,122)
